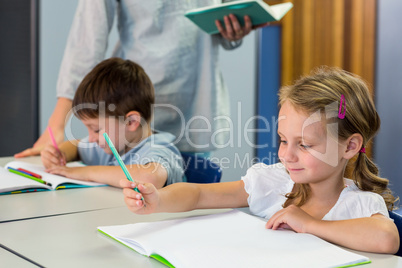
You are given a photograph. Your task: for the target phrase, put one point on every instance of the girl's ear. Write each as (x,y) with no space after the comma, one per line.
(353,145)
(133,120)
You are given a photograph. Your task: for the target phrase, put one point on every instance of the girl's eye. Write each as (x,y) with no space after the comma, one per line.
(283,142)
(96,131)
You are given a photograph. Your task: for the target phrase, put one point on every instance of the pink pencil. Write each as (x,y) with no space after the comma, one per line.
(53,140)
(55,143)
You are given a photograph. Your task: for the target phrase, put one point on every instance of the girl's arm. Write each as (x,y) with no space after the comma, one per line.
(180,197)
(374,234)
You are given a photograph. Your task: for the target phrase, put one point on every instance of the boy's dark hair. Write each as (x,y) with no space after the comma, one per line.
(114,87)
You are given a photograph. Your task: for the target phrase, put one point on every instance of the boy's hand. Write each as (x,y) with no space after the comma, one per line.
(52,157)
(76,173)
(133,198)
(291,217)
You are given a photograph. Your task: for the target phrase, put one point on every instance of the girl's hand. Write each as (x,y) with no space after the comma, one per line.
(51,157)
(133,198)
(291,217)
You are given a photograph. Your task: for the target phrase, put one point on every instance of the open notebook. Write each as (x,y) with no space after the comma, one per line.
(229,239)
(258,11)
(12,183)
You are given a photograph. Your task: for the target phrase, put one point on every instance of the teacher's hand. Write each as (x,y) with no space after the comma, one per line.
(41,143)
(233,31)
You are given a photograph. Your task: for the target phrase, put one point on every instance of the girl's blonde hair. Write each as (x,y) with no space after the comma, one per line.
(317,92)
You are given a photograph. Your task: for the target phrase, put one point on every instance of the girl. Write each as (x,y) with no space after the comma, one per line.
(325,119)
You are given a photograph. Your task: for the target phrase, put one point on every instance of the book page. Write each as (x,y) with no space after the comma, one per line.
(258,11)
(55,180)
(220,5)
(279,10)
(10,182)
(230,239)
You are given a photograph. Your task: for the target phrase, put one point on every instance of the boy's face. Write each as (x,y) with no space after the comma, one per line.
(112,126)
(308,153)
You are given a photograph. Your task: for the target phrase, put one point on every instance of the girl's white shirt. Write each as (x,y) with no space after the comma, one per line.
(267,186)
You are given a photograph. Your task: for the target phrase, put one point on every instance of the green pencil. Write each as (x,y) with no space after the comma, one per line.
(15,171)
(120,161)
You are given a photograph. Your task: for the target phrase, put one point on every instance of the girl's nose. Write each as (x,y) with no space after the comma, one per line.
(288,154)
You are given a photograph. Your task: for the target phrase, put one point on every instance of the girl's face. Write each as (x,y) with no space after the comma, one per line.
(112,126)
(308,153)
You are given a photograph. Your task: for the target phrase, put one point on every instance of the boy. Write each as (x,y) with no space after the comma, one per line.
(116,97)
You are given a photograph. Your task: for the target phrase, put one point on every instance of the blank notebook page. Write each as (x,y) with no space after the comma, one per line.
(230,239)
(10,181)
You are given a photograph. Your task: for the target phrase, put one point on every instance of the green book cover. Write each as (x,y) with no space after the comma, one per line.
(258,11)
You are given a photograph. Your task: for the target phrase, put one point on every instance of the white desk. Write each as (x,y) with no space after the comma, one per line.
(72,240)
(380,260)
(33,160)
(9,259)
(58,229)
(41,204)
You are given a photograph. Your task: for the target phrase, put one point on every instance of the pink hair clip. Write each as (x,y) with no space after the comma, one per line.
(362,150)
(340,114)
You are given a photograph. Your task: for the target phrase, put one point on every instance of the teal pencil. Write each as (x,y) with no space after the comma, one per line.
(120,161)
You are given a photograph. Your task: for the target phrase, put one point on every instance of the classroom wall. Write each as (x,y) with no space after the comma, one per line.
(388,145)
(19,108)
(238,68)
(55,21)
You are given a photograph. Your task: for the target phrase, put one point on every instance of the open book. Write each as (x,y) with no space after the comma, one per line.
(13,183)
(229,239)
(258,11)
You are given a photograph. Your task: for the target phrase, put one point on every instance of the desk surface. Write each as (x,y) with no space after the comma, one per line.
(41,204)
(59,229)
(74,239)
(33,160)
(9,259)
